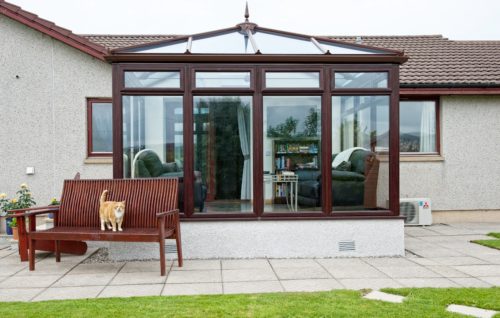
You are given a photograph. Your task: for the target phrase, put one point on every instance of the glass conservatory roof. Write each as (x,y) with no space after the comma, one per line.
(256,41)
(248,38)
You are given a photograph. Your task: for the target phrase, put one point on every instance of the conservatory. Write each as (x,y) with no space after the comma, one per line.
(261,124)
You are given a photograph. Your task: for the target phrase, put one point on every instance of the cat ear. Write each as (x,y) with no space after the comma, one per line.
(123,202)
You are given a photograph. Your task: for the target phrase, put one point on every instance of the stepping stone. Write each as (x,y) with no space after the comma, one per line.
(471,311)
(378,295)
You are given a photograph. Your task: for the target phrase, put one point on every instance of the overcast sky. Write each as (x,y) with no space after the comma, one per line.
(455,19)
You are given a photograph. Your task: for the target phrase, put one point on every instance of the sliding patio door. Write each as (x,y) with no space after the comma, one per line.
(222,154)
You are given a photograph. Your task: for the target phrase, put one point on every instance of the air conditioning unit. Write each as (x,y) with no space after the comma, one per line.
(417,211)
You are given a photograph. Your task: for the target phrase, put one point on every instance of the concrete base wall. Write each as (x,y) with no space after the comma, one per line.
(277,239)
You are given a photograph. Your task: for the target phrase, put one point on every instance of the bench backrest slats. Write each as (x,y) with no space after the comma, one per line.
(143,199)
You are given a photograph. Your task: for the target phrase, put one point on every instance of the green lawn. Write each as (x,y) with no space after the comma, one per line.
(490,243)
(423,302)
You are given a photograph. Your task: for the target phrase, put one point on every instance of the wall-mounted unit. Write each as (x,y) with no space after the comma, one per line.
(417,211)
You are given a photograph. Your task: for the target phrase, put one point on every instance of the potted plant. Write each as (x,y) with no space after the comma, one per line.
(24,200)
(13,226)
(54,201)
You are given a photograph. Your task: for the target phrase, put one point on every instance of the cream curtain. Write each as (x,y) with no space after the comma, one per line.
(244,132)
(428,128)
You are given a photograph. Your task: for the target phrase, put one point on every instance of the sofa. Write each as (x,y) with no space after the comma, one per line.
(355,184)
(147,164)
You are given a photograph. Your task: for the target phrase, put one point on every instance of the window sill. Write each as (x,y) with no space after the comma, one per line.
(413,158)
(98,160)
(420,158)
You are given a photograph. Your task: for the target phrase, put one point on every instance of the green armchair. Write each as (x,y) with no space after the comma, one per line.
(147,164)
(354,186)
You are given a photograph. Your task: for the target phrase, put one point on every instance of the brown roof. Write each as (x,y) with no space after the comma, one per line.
(51,29)
(434,61)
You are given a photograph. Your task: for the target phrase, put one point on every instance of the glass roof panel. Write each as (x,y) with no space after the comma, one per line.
(345,49)
(226,43)
(273,43)
(169,47)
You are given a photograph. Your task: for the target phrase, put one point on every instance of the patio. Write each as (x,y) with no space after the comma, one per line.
(436,256)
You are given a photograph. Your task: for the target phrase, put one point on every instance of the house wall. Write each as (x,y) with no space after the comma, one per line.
(43,120)
(43,125)
(468,177)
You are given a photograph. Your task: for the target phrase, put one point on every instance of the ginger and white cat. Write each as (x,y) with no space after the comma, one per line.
(111,213)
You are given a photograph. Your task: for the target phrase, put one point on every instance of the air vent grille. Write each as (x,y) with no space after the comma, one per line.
(170,248)
(345,246)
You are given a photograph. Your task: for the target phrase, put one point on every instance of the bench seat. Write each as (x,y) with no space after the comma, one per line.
(66,233)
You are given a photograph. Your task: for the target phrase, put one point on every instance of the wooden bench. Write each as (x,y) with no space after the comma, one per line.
(151,215)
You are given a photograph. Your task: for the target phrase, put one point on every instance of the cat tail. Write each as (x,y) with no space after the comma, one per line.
(103,197)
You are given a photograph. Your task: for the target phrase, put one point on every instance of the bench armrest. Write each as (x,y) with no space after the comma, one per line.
(164,214)
(34,211)
(168,220)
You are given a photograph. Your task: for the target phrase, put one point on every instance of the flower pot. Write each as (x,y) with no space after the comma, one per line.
(8,229)
(15,233)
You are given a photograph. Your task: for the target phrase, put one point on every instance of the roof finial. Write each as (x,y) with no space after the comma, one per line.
(247,15)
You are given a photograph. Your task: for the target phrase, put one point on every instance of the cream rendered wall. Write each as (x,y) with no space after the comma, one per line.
(469,176)
(43,112)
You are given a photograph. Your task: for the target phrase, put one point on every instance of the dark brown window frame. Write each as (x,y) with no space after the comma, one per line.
(258,91)
(437,103)
(90,151)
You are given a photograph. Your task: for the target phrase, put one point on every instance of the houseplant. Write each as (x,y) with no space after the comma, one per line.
(54,201)
(13,226)
(24,200)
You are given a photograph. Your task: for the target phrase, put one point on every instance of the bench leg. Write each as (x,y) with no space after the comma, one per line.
(179,248)
(31,254)
(162,257)
(58,251)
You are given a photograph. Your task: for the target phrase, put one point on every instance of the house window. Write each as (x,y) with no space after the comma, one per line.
(418,127)
(99,127)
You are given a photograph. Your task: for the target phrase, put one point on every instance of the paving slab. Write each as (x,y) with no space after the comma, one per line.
(310,285)
(342,262)
(293,263)
(408,272)
(435,252)
(19,294)
(192,289)
(197,265)
(356,271)
(479,270)
(427,282)
(372,283)
(138,278)
(132,290)
(245,264)
(378,295)
(69,293)
(29,281)
(301,272)
(96,268)
(495,280)
(447,271)
(194,276)
(471,311)
(470,282)
(389,261)
(252,287)
(147,266)
(457,260)
(97,279)
(246,275)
